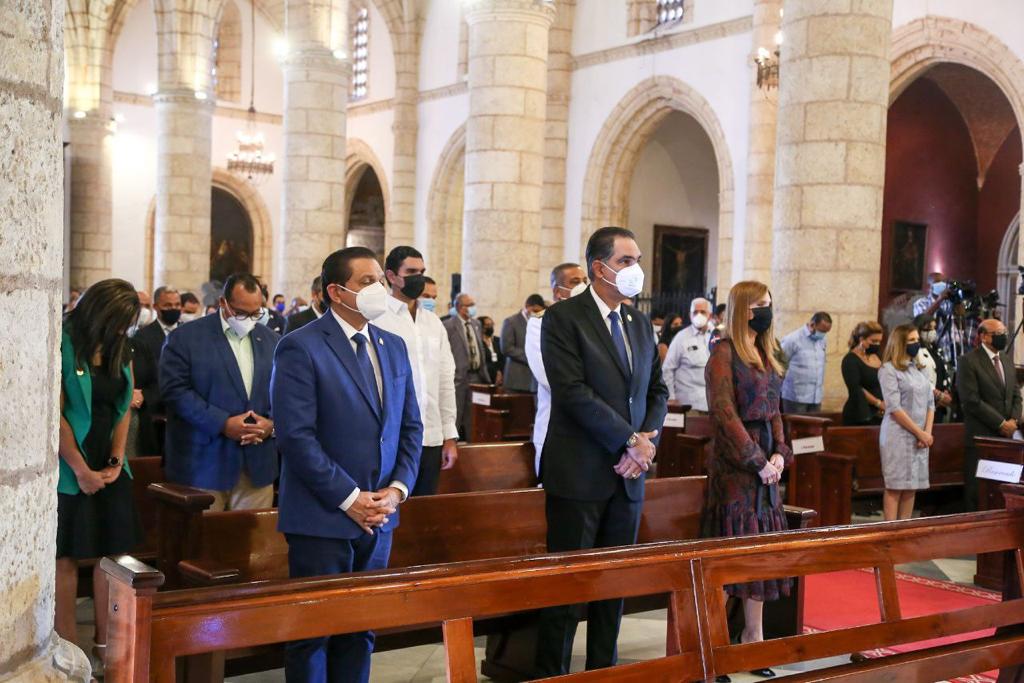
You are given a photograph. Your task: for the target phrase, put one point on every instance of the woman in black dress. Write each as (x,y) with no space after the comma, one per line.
(672,326)
(860,373)
(96,513)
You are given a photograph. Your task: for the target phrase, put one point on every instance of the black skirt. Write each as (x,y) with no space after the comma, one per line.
(105,523)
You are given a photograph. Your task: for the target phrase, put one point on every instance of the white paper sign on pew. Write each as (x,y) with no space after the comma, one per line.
(481,399)
(808,444)
(675,421)
(999,471)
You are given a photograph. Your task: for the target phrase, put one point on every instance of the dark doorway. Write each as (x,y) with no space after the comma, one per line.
(366,214)
(230,236)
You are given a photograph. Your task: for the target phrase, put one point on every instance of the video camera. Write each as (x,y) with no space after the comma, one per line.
(974,305)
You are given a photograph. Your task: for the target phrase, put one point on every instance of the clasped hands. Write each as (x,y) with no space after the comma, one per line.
(637,459)
(257,430)
(90,481)
(772,471)
(370,509)
(1008,428)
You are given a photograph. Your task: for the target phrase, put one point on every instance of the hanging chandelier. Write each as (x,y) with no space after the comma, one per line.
(249,159)
(768,63)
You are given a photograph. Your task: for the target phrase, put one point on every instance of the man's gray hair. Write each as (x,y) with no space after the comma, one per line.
(699,300)
(160,291)
(459,297)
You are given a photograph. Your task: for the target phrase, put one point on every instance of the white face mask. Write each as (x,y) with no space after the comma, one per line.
(241,327)
(578,289)
(699,320)
(371,301)
(629,281)
(188,317)
(929,336)
(146,316)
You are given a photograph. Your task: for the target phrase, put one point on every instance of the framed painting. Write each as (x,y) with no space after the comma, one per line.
(906,268)
(680,259)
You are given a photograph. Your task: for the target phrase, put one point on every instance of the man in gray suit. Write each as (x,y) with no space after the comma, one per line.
(518,377)
(466,339)
(991,401)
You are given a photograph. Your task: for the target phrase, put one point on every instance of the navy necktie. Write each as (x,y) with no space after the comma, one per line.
(363,360)
(619,341)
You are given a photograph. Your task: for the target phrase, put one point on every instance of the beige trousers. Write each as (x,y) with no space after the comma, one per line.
(244,496)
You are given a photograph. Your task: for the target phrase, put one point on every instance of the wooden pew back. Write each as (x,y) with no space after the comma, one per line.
(490,467)
(497,416)
(150,630)
(145,471)
(245,545)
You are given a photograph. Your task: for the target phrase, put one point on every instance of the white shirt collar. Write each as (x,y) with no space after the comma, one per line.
(396,305)
(603,307)
(991,354)
(167,328)
(348,330)
(223,322)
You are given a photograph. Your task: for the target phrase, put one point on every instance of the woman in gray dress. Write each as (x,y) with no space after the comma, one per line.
(906,432)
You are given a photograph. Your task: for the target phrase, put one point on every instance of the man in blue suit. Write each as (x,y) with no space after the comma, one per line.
(215,382)
(349,433)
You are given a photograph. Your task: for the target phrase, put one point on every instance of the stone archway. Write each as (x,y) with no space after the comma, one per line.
(262,226)
(359,156)
(620,142)
(444,213)
(932,40)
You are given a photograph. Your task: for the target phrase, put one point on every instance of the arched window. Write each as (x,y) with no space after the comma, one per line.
(647,15)
(360,51)
(227,55)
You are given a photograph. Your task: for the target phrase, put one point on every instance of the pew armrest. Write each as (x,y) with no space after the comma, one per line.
(129,571)
(207,572)
(180,496)
(808,421)
(800,518)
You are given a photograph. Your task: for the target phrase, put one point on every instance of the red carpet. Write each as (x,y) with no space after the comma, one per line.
(848,598)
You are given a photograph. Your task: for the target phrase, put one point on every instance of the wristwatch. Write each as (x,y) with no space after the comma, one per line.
(633,440)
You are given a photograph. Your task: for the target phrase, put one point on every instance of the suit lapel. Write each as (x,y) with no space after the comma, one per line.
(342,348)
(632,325)
(387,368)
(227,356)
(594,316)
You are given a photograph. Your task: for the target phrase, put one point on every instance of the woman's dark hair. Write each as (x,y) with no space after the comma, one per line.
(100,323)
(666,328)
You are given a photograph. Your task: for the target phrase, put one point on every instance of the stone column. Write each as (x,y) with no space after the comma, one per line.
(508,53)
(402,212)
(181,244)
(830,170)
(317,73)
(757,255)
(184,108)
(556,144)
(91,199)
(31,270)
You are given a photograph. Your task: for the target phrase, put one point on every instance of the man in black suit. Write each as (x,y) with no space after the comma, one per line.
(297,320)
(608,403)
(989,396)
(148,344)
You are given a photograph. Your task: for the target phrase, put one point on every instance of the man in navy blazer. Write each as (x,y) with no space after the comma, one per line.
(215,383)
(349,433)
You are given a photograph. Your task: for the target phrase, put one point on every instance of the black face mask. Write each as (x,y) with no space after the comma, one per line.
(170,316)
(913,350)
(999,342)
(414,285)
(762,319)
(873,350)
(488,331)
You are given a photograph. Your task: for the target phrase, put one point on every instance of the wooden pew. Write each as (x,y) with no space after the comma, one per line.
(222,548)
(497,416)
(668,445)
(489,467)
(150,630)
(945,462)
(990,497)
(818,477)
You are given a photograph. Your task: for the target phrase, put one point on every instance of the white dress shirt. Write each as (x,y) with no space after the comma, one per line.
(603,308)
(535,360)
(350,332)
(433,367)
(684,366)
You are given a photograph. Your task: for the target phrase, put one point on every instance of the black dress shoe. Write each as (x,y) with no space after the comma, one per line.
(764,673)
(723,679)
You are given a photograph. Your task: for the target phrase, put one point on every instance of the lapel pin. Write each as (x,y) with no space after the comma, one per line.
(381,342)
(629,318)
(79,371)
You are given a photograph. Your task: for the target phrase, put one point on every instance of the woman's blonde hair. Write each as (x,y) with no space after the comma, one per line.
(864,329)
(765,348)
(896,348)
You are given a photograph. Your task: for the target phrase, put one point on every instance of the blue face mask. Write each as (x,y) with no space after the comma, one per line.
(938,288)
(816,336)
(427,304)
(472,311)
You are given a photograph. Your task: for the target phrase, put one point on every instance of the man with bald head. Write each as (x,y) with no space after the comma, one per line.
(466,339)
(989,397)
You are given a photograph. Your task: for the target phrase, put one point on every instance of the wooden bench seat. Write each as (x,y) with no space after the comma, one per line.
(150,630)
(497,416)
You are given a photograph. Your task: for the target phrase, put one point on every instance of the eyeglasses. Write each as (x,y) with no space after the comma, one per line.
(255,315)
